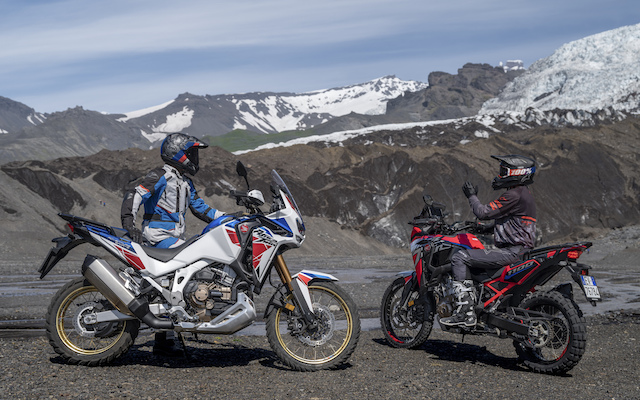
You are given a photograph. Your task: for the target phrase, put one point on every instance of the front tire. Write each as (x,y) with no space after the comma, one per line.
(327,346)
(409,326)
(556,345)
(78,342)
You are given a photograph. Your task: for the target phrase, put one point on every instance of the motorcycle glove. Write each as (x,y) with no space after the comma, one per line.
(135,234)
(469,190)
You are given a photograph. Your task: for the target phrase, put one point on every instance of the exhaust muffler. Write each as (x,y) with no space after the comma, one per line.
(101,275)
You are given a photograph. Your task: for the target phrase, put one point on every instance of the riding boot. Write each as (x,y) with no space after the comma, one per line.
(464,313)
(165,345)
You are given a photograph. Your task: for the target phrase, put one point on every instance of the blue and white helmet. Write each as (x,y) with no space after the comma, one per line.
(515,170)
(181,151)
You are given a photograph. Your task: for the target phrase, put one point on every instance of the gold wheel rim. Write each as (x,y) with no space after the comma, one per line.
(334,353)
(67,333)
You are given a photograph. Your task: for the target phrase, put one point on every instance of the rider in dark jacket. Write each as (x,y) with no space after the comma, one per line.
(514,213)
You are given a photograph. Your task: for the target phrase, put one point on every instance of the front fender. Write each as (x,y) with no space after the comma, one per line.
(405,274)
(306,276)
(300,285)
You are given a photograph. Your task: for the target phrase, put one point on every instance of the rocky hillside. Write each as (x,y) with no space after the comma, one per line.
(74,132)
(15,116)
(586,182)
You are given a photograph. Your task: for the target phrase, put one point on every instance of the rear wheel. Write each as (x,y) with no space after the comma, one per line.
(405,326)
(324,346)
(556,344)
(77,340)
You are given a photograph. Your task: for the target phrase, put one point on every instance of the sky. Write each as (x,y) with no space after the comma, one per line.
(118,56)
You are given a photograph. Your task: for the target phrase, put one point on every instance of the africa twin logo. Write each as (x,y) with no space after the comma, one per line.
(263,237)
(441,246)
(520,268)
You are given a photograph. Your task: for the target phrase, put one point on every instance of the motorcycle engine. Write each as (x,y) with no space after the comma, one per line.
(445,299)
(210,292)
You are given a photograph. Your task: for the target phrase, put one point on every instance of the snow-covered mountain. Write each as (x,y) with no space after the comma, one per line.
(587,82)
(590,74)
(269,112)
(15,116)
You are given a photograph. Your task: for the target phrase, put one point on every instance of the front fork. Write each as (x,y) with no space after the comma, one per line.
(299,290)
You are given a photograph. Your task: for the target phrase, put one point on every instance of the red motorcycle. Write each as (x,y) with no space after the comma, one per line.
(547,327)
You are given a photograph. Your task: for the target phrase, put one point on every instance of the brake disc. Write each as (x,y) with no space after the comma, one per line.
(324,330)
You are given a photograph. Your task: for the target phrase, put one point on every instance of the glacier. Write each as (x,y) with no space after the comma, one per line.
(590,74)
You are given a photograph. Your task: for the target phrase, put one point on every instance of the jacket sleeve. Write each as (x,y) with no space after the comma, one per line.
(199,208)
(500,207)
(136,195)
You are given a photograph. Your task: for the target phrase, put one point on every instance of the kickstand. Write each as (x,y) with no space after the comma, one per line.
(184,347)
(463,335)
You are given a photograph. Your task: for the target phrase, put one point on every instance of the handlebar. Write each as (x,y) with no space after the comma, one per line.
(439,226)
(249,202)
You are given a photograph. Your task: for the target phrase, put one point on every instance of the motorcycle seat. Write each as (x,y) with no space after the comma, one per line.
(485,275)
(165,255)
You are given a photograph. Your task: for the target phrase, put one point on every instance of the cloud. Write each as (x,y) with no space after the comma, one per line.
(113,52)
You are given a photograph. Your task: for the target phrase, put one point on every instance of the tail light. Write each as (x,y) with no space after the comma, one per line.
(70,227)
(574,254)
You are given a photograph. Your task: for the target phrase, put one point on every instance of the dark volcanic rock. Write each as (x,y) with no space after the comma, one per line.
(48,185)
(585,183)
(451,96)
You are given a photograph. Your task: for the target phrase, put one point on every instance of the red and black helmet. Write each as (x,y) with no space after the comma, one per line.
(515,170)
(181,151)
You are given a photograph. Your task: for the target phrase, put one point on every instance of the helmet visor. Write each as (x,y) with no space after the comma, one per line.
(192,155)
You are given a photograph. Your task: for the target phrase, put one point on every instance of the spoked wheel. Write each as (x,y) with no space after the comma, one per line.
(324,346)
(75,338)
(405,325)
(556,344)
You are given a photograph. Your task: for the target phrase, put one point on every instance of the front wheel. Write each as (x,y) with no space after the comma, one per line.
(324,346)
(77,340)
(405,325)
(555,344)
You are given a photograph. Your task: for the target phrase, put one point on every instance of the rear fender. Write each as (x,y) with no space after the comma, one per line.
(564,289)
(57,253)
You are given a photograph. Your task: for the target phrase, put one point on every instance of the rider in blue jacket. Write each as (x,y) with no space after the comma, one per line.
(166,193)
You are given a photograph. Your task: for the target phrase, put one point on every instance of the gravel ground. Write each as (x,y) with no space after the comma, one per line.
(244,367)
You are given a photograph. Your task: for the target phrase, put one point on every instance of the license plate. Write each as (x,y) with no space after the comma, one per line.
(590,287)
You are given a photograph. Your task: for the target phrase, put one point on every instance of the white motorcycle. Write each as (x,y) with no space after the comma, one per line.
(205,286)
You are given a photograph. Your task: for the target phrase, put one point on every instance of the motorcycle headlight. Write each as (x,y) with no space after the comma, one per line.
(301,227)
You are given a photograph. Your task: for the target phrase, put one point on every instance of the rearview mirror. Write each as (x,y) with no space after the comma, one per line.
(241,170)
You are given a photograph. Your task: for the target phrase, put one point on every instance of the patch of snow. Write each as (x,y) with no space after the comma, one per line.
(144,111)
(175,122)
(153,137)
(238,125)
